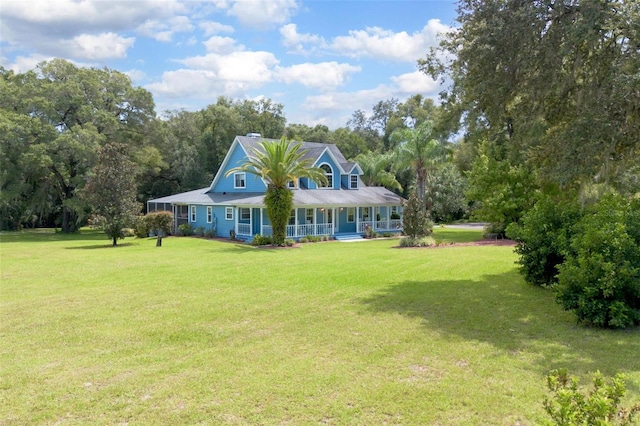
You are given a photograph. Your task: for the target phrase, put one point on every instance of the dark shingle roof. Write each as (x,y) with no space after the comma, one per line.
(365,196)
(313,150)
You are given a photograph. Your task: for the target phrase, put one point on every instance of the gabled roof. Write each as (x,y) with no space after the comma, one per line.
(314,150)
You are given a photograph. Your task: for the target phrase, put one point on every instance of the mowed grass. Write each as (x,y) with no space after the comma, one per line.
(210,332)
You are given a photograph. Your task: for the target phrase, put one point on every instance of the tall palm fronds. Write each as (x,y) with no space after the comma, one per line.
(375,167)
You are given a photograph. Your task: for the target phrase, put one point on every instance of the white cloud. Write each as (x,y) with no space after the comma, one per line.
(248,68)
(61,16)
(388,45)
(335,108)
(136,76)
(416,82)
(163,30)
(262,14)
(211,28)
(102,46)
(325,75)
(222,45)
(25,63)
(372,42)
(184,83)
(295,41)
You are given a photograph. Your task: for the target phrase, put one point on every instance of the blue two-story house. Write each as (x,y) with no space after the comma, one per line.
(235,204)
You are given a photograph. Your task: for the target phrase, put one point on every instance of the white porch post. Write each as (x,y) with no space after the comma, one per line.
(235,219)
(261,222)
(250,221)
(175,218)
(335,221)
(357,219)
(388,216)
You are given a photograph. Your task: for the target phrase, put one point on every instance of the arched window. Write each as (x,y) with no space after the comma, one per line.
(328,173)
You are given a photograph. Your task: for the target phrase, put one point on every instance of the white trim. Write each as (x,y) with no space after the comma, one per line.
(226,213)
(333,175)
(237,175)
(357,185)
(241,210)
(333,157)
(353,214)
(209,214)
(193,213)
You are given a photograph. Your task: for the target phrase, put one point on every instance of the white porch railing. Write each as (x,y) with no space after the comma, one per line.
(294,231)
(244,229)
(380,225)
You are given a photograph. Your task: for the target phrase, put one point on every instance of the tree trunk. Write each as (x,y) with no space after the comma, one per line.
(115,241)
(159,241)
(68,221)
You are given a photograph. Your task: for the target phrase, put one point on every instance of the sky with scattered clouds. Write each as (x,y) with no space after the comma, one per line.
(321,59)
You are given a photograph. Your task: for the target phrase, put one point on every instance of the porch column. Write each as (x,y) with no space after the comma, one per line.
(335,221)
(357,219)
(250,221)
(175,218)
(261,222)
(388,217)
(235,219)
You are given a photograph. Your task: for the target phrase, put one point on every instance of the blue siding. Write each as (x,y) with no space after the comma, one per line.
(201,218)
(224,225)
(344,180)
(343,226)
(326,159)
(225,184)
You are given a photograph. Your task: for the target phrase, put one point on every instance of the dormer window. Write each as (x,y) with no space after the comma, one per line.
(240,180)
(292,184)
(328,173)
(353,182)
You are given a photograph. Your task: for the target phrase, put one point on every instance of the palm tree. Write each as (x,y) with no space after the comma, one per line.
(374,167)
(279,163)
(422,153)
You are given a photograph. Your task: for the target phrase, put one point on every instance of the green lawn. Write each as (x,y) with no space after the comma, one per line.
(202,331)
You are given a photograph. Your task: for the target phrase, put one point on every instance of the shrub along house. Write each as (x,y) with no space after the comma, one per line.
(345,207)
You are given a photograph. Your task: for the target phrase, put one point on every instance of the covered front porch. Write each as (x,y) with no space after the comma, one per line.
(321,221)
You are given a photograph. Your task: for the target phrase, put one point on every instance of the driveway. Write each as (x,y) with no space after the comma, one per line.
(479,226)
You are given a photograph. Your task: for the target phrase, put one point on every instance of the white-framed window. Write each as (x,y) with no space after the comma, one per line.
(366,213)
(351,214)
(394,209)
(309,216)
(245,214)
(193,214)
(228,213)
(328,173)
(240,180)
(292,184)
(292,217)
(353,182)
(209,214)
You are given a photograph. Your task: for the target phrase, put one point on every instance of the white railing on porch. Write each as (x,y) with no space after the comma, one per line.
(295,231)
(380,225)
(244,229)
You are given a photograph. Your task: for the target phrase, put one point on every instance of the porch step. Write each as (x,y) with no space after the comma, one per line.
(348,237)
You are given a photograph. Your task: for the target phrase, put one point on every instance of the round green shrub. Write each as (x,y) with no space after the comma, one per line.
(600,282)
(542,239)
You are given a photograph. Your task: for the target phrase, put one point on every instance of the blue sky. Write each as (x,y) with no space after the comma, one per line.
(321,59)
